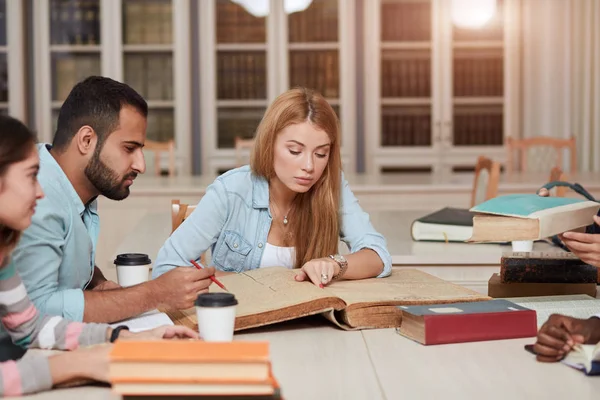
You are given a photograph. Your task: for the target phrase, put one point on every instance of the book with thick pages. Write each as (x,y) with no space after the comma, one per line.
(497,289)
(529,217)
(545,267)
(467,322)
(270,295)
(178,360)
(445,225)
(211,387)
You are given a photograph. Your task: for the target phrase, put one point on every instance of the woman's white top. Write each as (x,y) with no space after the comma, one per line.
(275,256)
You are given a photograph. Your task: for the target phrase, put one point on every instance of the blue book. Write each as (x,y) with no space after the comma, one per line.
(529,217)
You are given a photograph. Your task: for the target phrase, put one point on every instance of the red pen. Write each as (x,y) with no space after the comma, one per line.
(212,277)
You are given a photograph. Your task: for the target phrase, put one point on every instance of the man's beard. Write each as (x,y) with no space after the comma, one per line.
(106,180)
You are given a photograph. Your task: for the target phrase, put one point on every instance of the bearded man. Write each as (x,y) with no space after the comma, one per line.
(97,150)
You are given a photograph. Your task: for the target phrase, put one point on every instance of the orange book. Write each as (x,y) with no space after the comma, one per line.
(181,360)
(155,387)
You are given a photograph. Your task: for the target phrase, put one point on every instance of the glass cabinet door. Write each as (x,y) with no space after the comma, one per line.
(241,72)
(148,61)
(406,81)
(75,46)
(313,43)
(478,83)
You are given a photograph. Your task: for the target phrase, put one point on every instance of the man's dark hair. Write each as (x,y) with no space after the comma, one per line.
(96,101)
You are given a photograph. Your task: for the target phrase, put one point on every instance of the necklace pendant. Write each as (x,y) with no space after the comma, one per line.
(285,220)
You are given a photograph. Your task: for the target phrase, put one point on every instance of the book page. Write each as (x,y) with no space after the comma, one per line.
(144,322)
(268,295)
(403,287)
(577,306)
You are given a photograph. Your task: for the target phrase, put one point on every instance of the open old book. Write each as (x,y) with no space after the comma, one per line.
(270,295)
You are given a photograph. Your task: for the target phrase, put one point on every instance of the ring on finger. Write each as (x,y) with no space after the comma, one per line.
(324,277)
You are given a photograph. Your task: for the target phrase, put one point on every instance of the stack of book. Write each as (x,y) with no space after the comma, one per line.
(166,369)
(542,274)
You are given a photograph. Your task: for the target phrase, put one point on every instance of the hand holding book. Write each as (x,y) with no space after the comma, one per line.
(586,246)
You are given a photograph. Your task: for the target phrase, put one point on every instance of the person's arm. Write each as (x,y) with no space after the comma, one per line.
(177,289)
(369,255)
(118,304)
(197,233)
(27,328)
(38,258)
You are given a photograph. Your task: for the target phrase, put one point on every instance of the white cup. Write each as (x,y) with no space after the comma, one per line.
(216,316)
(132,268)
(522,245)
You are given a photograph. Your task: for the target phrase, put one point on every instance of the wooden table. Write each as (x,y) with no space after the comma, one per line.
(314,360)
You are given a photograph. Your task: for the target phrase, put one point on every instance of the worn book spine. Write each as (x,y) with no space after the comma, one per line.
(546,270)
(497,289)
(441,329)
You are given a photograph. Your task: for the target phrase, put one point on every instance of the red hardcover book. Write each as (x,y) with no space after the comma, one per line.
(467,322)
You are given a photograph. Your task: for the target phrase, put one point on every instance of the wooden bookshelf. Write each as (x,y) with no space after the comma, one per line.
(252,65)
(436,96)
(142,43)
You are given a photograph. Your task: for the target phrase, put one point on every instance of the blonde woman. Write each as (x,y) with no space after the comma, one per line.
(19,193)
(289,207)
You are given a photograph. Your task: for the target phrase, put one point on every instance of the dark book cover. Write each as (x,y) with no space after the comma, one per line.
(537,267)
(497,289)
(449,216)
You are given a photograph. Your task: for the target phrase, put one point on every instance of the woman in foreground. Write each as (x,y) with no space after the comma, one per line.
(289,207)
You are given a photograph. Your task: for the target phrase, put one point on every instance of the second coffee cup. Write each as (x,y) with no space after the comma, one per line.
(132,268)
(216,316)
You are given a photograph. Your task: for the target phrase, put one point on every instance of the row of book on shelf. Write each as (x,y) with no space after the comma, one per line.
(409,75)
(78,22)
(241,75)
(147,22)
(316,69)
(403,128)
(236,25)
(478,76)
(318,23)
(151,75)
(75,22)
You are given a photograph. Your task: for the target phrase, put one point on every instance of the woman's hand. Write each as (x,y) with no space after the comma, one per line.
(586,246)
(85,362)
(162,332)
(319,271)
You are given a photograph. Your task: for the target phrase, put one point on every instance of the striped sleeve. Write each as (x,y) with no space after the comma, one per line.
(35,370)
(27,328)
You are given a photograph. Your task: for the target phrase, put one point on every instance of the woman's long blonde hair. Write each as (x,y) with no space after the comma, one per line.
(315,225)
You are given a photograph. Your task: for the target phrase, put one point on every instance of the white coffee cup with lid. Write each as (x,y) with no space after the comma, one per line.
(132,268)
(216,316)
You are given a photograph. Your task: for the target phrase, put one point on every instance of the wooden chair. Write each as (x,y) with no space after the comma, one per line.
(557,174)
(558,146)
(485,183)
(179,212)
(160,148)
(242,146)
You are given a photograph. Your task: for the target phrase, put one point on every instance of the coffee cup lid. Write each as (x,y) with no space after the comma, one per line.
(216,300)
(132,259)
